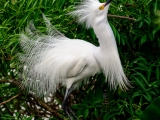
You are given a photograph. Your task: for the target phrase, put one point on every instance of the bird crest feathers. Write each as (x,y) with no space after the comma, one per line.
(88,10)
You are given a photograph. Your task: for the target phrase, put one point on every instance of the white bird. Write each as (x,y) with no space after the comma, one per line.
(53,59)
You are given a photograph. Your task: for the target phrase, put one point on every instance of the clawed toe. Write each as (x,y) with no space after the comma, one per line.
(69,112)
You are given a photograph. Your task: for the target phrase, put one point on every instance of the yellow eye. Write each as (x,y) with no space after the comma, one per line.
(101,7)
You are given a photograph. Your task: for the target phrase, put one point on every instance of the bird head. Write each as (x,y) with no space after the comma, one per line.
(104,5)
(91,11)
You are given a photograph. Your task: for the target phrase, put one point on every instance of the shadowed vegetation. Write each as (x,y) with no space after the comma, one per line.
(138,44)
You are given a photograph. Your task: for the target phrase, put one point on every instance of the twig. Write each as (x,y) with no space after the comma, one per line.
(10,99)
(123,17)
(44,105)
(6,81)
(109,15)
(39,101)
(8,110)
(130,5)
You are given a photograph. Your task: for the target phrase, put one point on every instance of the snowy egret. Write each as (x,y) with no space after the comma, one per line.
(53,59)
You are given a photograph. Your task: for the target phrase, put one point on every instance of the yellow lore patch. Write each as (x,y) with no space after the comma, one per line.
(101,7)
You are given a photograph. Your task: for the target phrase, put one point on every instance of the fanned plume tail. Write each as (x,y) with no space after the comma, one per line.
(37,57)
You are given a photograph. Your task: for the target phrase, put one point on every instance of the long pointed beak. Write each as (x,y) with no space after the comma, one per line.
(105,4)
(108,2)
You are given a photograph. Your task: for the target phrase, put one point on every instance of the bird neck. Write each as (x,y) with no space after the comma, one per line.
(105,36)
(107,51)
(107,56)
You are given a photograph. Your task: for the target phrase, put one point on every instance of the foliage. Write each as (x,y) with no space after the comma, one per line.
(152,111)
(138,44)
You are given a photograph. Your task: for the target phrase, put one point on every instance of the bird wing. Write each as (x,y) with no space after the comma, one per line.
(63,57)
(52,61)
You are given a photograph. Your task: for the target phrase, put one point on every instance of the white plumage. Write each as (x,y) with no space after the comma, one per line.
(53,58)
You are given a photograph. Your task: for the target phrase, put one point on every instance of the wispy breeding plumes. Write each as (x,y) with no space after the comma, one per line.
(53,58)
(87,12)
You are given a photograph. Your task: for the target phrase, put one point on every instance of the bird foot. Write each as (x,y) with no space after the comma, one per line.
(68,111)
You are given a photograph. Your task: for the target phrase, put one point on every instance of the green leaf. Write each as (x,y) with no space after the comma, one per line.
(28,4)
(147,20)
(140,83)
(118,38)
(140,59)
(155,31)
(143,39)
(86,112)
(96,113)
(148,97)
(23,20)
(140,24)
(5,5)
(114,29)
(136,94)
(152,112)
(157,73)
(2,27)
(93,35)
(155,6)
(106,116)
(142,77)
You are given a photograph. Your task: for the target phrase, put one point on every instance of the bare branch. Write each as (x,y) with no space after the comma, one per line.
(44,105)
(39,101)
(10,99)
(8,110)
(123,17)
(8,81)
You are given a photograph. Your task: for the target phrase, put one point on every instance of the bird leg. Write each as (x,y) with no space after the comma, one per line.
(65,105)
